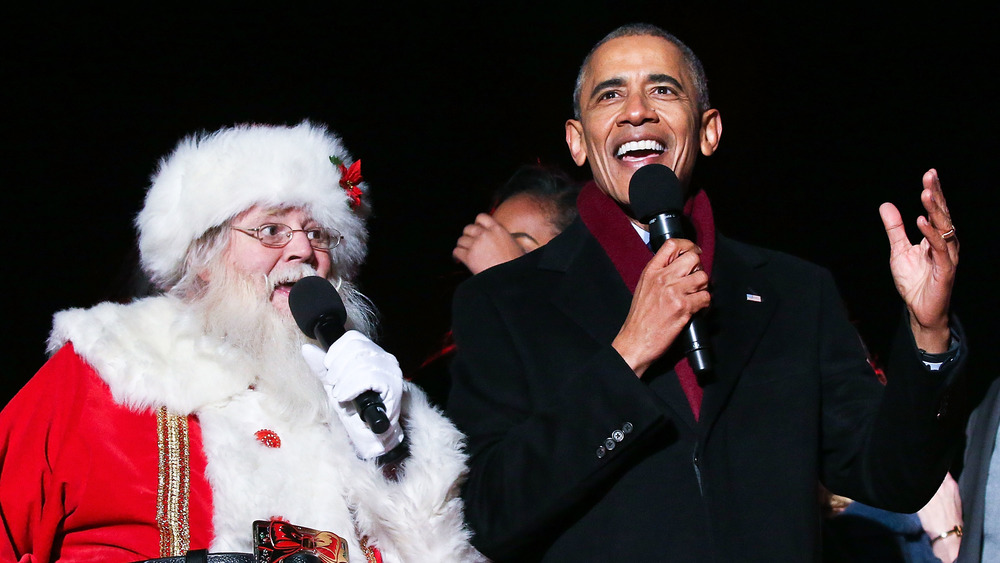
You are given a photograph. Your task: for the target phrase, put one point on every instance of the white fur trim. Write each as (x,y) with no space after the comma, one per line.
(314,479)
(406,516)
(151,354)
(210,178)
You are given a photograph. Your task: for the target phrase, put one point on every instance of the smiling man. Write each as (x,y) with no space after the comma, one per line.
(175,422)
(640,100)
(590,436)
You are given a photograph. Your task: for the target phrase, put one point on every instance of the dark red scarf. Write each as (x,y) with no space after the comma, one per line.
(614,231)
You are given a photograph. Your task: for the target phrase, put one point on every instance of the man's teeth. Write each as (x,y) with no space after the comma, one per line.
(275,284)
(646,145)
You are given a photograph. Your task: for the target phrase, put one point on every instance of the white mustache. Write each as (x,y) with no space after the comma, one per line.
(288,275)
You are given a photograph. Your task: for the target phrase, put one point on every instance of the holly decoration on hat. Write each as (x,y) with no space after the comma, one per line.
(349,180)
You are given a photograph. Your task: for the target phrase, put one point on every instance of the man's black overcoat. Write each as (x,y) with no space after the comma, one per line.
(574,458)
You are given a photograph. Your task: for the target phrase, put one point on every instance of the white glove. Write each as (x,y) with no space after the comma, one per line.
(354,364)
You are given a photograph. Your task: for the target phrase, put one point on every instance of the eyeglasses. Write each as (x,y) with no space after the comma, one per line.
(276,235)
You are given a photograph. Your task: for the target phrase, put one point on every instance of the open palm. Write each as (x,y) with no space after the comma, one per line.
(924,273)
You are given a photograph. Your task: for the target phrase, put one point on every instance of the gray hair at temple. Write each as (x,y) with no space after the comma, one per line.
(641,29)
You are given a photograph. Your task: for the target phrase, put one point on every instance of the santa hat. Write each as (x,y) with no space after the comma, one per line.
(210,178)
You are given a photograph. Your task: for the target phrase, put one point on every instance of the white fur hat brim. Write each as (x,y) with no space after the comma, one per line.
(210,178)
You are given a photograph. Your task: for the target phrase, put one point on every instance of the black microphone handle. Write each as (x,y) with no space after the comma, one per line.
(666,226)
(369,404)
(698,354)
(372,411)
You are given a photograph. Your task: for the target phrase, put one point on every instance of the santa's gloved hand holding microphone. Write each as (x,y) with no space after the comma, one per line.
(363,381)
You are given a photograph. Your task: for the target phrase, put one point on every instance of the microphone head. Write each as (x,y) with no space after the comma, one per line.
(313,299)
(654,189)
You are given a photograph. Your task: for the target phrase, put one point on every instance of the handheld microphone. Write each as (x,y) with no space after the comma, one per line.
(657,199)
(320,313)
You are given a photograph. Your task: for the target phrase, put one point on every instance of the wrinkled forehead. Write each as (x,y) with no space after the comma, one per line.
(642,55)
(274,213)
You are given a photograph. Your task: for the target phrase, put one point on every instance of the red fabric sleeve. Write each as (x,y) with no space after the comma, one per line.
(79,473)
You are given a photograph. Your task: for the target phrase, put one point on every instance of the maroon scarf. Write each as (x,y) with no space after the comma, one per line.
(614,231)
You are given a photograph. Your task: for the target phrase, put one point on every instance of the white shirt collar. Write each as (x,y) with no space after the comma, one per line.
(642,233)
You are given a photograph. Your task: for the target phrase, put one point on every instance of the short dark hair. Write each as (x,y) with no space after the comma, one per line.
(641,29)
(551,186)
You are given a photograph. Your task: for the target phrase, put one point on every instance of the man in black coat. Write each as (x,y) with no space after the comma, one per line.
(592,439)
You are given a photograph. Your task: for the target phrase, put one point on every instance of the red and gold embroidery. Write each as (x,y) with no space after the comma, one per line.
(372,554)
(174,486)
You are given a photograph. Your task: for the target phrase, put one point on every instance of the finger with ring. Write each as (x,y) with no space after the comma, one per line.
(949,234)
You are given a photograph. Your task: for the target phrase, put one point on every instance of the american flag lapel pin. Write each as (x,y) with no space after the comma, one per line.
(753,297)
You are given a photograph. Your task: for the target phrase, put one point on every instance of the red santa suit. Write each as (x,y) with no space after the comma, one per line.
(141,437)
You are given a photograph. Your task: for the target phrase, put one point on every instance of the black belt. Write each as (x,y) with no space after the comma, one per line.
(203,556)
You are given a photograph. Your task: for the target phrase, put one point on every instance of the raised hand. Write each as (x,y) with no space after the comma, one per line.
(924,273)
(485,244)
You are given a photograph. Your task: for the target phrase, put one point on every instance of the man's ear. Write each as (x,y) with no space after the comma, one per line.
(711,131)
(205,271)
(574,140)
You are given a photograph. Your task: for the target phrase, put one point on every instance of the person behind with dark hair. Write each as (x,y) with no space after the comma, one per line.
(533,206)
(201,418)
(592,438)
(550,185)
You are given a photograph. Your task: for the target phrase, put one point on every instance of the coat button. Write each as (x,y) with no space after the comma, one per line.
(601,451)
(627,427)
(943,407)
(618,435)
(610,444)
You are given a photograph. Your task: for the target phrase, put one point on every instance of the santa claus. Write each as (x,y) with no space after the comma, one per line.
(171,424)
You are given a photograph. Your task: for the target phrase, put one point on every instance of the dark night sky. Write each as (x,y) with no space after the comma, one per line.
(827,113)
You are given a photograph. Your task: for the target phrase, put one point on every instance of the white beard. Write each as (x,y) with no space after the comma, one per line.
(236,308)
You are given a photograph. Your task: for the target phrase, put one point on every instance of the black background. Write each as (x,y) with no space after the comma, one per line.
(827,113)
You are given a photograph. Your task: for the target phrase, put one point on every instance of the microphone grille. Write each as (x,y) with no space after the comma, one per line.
(654,189)
(313,298)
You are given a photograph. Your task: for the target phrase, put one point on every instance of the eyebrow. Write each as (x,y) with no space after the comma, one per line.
(524,235)
(272,211)
(272,214)
(654,78)
(659,78)
(269,214)
(611,82)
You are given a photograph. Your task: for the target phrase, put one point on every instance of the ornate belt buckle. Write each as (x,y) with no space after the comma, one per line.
(275,541)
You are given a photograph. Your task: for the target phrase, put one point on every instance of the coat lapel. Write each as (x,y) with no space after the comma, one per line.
(593,295)
(742,305)
(590,293)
